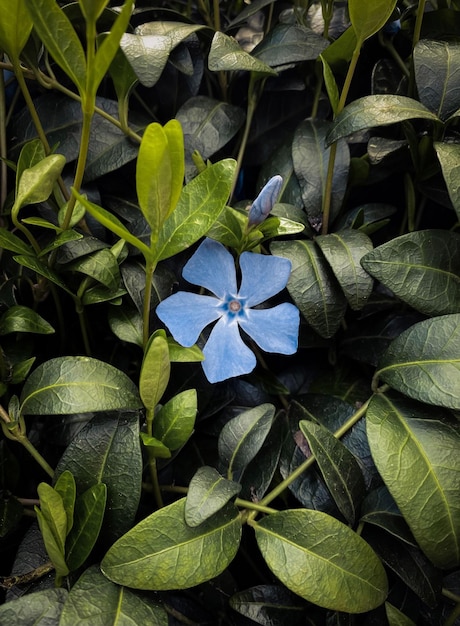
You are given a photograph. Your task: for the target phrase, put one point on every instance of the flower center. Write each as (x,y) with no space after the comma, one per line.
(234,306)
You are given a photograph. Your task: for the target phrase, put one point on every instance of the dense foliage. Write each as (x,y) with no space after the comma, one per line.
(230,312)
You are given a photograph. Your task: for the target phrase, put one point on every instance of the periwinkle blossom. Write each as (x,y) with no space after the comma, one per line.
(263,204)
(187,314)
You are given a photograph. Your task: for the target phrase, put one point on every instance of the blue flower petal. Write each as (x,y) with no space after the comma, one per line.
(263,276)
(273,330)
(187,314)
(212,266)
(225,353)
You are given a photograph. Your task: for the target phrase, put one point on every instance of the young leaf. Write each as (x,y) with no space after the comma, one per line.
(10,241)
(66,488)
(322,560)
(424,362)
(242,437)
(52,520)
(31,154)
(21,319)
(367,18)
(157,448)
(89,513)
(15,27)
(330,83)
(208,493)
(174,422)
(66,385)
(37,182)
(92,9)
(155,371)
(415,449)
(148,558)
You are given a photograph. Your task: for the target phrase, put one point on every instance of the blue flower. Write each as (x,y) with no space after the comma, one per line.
(264,202)
(187,314)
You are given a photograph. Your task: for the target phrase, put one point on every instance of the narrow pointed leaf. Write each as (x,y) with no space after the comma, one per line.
(10,241)
(449,158)
(367,18)
(89,513)
(21,319)
(52,520)
(174,422)
(415,449)
(155,371)
(36,265)
(162,552)
(66,488)
(227,55)
(322,560)
(208,493)
(424,362)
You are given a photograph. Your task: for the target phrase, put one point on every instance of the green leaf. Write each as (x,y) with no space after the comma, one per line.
(330,84)
(436,65)
(36,265)
(424,362)
(227,55)
(60,240)
(124,78)
(395,617)
(379,110)
(126,323)
(339,467)
(242,437)
(21,319)
(270,605)
(31,154)
(94,599)
(157,448)
(37,182)
(68,384)
(59,37)
(415,449)
(107,450)
(52,520)
(449,158)
(343,251)
(229,228)
(101,266)
(40,608)
(179,354)
(208,493)
(155,371)
(200,203)
(322,560)
(288,43)
(421,268)
(312,285)
(367,18)
(15,27)
(379,509)
(89,513)
(92,9)
(10,241)
(66,488)
(174,422)
(148,558)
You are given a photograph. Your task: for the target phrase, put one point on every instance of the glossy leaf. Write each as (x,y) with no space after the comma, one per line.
(338,466)
(174,422)
(415,449)
(155,446)
(101,266)
(155,371)
(380,509)
(287,43)
(15,27)
(368,18)
(10,241)
(89,513)
(200,203)
(322,560)
(94,599)
(270,605)
(40,608)
(448,155)
(424,362)
(436,65)
(67,385)
(430,258)
(343,251)
(208,493)
(21,319)
(66,488)
(163,552)
(379,110)
(36,182)
(312,285)
(227,55)
(126,323)
(52,520)
(242,437)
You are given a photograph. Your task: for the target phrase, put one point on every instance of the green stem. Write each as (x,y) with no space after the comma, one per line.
(30,105)
(149,270)
(418,23)
(155,482)
(23,440)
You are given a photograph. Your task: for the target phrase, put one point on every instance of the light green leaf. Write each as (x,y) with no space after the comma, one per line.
(94,600)
(52,520)
(89,513)
(15,27)
(322,560)
(21,319)
(367,18)
(421,268)
(68,384)
(92,9)
(415,449)
(31,154)
(65,486)
(339,467)
(10,241)
(157,448)
(331,85)
(179,354)
(242,437)
(174,422)
(37,182)
(155,371)
(59,37)
(149,558)
(449,158)
(227,55)
(200,203)
(208,493)
(379,110)
(312,285)
(424,362)
(41,608)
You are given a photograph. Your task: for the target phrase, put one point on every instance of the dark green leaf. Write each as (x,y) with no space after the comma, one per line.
(67,385)
(101,266)
(36,265)
(208,493)
(449,158)
(147,557)
(424,362)
(89,513)
(41,608)
(21,319)
(287,43)
(415,449)
(379,509)
(430,258)
(126,323)
(270,605)
(174,422)
(322,560)
(227,55)
(10,241)
(395,617)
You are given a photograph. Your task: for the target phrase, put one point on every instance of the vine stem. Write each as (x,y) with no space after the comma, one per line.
(418,23)
(278,490)
(149,271)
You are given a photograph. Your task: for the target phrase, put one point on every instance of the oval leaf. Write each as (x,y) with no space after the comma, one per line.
(155,371)
(15,27)
(415,449)
(449,158)
(21,319)
(208,493)
(149,558)
(322,560)
(174,422)
(287,43)
(424,362)
(227,54)
(368,17)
